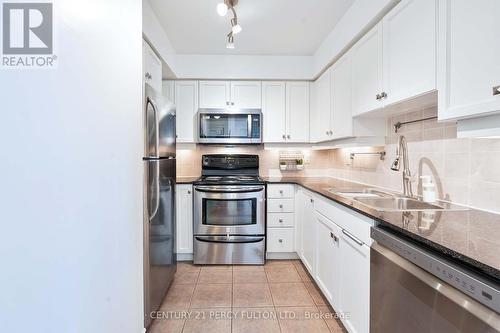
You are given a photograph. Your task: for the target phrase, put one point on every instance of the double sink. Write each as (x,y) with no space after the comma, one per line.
(389,202)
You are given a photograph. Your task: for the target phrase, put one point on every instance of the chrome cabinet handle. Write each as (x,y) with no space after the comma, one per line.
(232,103)
(284,136)
(351,236)
(280,220)
(326,132)
(281,191)
(281,206)
(189,191)
(227,103)
(330,133)
(312,200)
(496,90)
(378,97)
(280,240)
(335,238)
(383,95)
(148,76)
(288,136)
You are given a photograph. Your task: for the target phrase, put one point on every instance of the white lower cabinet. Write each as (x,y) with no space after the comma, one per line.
(281,221)
(328,251)
(308,233)
(280,240)
(354,297)
(184,213)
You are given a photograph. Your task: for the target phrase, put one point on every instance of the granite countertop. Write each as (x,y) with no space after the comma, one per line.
(468,236)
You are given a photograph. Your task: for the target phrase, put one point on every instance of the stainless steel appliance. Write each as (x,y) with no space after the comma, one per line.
(159,200)
(229,211)
(226,126)
(416,290)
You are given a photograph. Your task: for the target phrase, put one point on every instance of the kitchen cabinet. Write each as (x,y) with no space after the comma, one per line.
(367,62)
(280,220)
(308,233)
(354,297)
(469,53)
(341,122)
(409,50)
(186,100)
(280,240)
(215,94)
(184,213)
(285,106)
(168,90)
(152,67)
(328,258)
(321,110)
(274,111)
(230,94)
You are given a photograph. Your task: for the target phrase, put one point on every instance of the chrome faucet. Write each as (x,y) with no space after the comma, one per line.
(402,153)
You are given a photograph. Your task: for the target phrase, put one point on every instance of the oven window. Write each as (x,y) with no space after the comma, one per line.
(224,212)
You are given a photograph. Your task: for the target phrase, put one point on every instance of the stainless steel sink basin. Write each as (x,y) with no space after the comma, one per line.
(397,204)
(358,193)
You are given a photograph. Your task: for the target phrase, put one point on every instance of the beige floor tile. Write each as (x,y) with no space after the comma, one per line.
(186,277)
(172,324)
(187,266)
(329,317)
(249,274)
(290,294)
(301,320)
(282,274)
(209,321)
(178,296)
(302,271)
(315,293)
(274,263)
(216,274)
(212,296)
(255,320)
(252,295)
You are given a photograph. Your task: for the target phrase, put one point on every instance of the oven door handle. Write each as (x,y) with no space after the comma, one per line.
(229,189)
(225,240)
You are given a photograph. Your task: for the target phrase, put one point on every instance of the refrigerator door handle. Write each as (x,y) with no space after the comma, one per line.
(150,102)
(157,190)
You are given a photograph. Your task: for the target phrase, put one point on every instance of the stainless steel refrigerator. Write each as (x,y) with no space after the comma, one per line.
(159,199)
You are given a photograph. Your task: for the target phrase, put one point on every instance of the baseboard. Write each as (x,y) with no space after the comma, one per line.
(184,257)
(282,255)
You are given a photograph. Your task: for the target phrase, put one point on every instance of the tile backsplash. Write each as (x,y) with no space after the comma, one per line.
(466,171)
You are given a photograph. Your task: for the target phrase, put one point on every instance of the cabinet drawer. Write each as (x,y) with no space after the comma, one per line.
(280,205)
(280,191)
(280,219)
(280,240)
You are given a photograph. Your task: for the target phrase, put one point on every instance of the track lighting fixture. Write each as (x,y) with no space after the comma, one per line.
(222,9)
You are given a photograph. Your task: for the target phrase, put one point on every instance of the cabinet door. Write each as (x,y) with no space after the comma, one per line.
(367,72)
(246,94)
(186,96)
(354,297)
(215,94)
(297,111)
(320,115)
(184,211)
(469,53)
(409,51)
(342,99)
(328,258)
(274,111)
(300,202)
(308,233)
(152,68)
(168,89)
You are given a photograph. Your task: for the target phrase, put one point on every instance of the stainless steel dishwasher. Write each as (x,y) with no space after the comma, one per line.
(416,291)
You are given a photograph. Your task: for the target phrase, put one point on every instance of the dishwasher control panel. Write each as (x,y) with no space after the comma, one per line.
(462,279)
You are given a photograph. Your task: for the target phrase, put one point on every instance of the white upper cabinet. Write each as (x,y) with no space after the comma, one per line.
(186,100)
(215,94)
(341,117)
(285,106)
(367,84)
(297,111)
(321,110)
(409,50)
(274,111)
(152,68)
(246,94)
(469,58)
(168,88)
(230,94)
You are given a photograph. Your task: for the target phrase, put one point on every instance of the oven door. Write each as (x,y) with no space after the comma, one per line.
(229,210)
(230,127)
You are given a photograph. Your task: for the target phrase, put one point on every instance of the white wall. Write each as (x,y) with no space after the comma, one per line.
(71,174)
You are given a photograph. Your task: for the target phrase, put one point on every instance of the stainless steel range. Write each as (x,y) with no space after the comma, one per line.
(229,211)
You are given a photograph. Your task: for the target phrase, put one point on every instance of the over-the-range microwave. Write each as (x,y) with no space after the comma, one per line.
(226,126)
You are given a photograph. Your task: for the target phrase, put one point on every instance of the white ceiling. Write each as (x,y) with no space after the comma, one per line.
(270,27)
